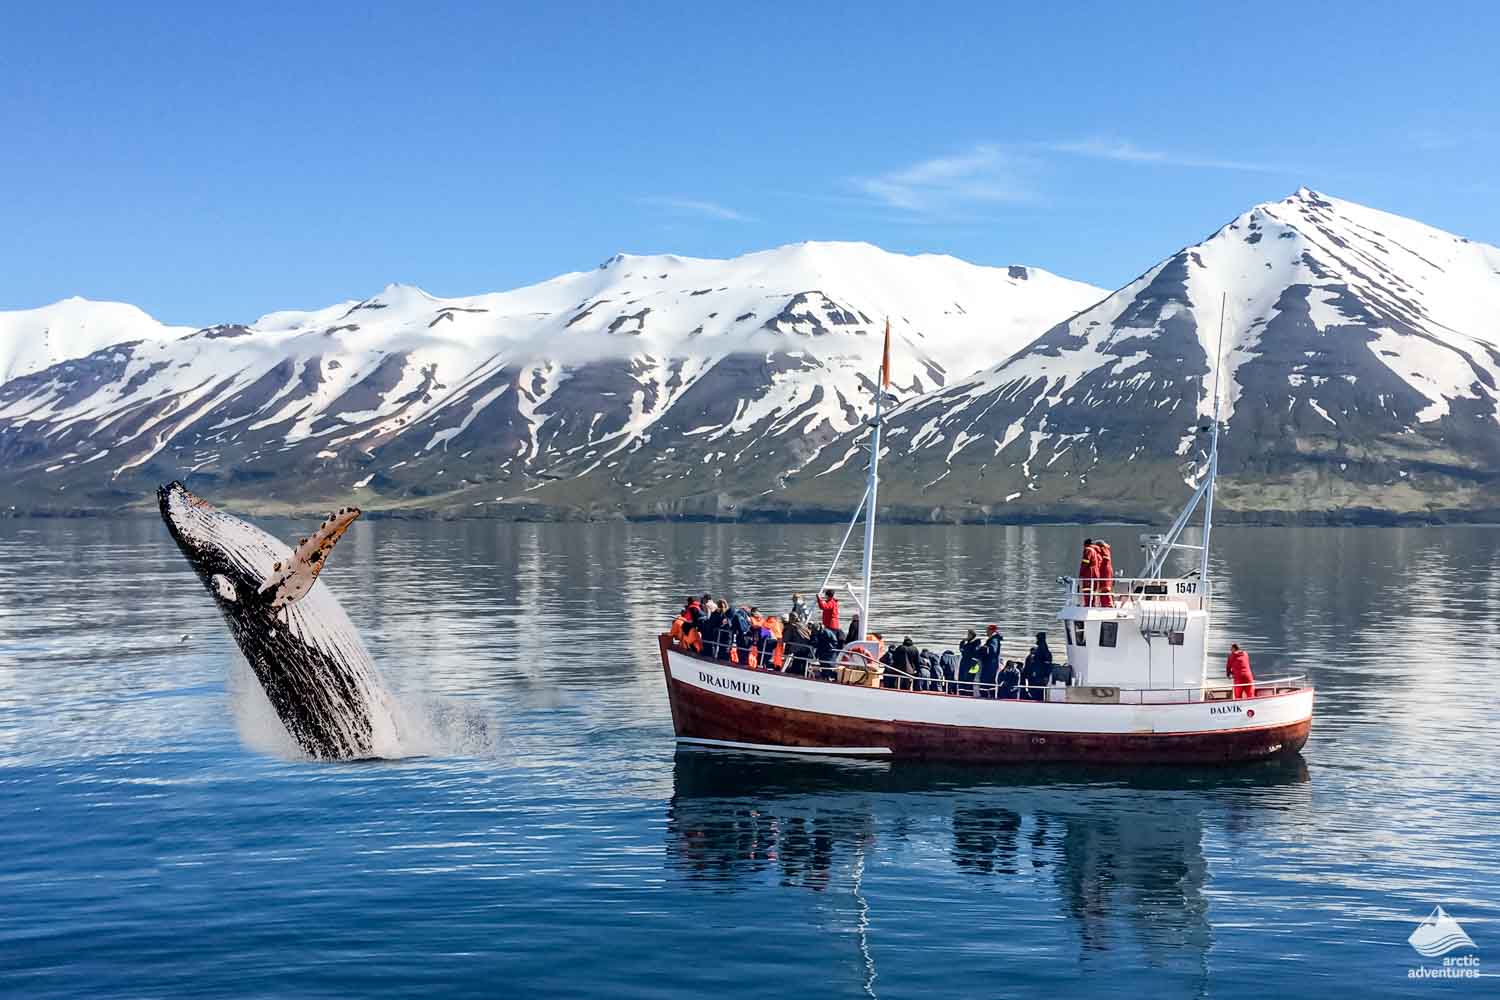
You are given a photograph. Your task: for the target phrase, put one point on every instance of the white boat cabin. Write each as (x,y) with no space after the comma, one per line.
(1145,634)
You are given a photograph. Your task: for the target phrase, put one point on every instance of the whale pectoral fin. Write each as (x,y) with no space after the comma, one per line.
(291,580)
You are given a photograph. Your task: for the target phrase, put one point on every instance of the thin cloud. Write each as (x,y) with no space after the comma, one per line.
(695,206)
(945,184)
(1124,151)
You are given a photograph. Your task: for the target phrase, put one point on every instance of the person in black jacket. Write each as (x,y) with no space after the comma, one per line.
(1009,680)
(1037,673)
(904,663)
(968,662)
(826,645)
(798,647)
(713,628)
(989,662)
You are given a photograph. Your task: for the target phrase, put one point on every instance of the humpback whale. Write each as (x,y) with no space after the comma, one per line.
(298,641)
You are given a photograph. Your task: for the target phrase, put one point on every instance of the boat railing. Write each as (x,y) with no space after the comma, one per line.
(838,672)
(1129,591)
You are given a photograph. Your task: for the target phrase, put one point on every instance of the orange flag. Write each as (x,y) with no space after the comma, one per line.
(885,362)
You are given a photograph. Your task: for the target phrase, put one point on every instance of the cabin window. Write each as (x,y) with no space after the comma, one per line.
(1176,638)
(1078,634)
(1109,633)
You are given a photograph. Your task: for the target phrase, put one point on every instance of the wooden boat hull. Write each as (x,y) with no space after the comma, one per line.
(720,703)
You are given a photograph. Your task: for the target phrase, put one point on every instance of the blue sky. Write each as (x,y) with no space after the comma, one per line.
(212,166)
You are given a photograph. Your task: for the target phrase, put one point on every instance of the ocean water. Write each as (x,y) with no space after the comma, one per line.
(159,835)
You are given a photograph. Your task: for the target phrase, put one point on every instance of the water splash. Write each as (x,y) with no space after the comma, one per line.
(415,724)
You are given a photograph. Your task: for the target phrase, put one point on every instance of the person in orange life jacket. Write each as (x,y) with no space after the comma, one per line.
(698,612)
(777,628)
(766,647)
(1105,586)
(1238,668)
(682,629)
(829,605)
(1088,569)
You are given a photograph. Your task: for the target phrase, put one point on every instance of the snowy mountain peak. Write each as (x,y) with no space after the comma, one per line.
(1347,331)
(716,362)
(34,339)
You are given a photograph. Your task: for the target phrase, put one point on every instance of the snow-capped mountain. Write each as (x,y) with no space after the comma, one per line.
(34,339)
(1360,362)
(650,383)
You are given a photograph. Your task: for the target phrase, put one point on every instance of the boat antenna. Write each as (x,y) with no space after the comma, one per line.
(1213,452)
(881,384)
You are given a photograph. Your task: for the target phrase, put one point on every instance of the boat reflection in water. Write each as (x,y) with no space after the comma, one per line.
(1091,861)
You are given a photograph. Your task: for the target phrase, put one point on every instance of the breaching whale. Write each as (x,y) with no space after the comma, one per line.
(303,648)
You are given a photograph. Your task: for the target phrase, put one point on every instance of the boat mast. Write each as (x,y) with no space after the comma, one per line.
(1213,454)
(872,489)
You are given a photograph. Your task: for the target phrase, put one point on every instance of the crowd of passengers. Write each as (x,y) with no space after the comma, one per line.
(798,644)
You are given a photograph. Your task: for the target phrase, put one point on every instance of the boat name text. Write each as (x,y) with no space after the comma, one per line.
(1225,709)
(729,684)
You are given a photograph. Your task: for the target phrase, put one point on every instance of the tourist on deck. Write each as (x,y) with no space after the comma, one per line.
(948,665)
(829,605)
(903,664)
(724,634)
(798,640)
(767,643)
(989,661)
(1037,673)
(684,631)
(739,625)
(932,674)
(968,662)
(799,608)
(1088,570)
(1008,681)
(1238,668)
(1104,587)
(826,647)
(853,633)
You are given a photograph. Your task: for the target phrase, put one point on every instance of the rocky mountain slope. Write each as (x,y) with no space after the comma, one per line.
(650,385)
(1360,363)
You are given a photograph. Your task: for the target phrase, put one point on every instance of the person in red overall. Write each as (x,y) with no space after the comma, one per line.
(1238,668)
(1088,569)
(829,605)
(1105,587)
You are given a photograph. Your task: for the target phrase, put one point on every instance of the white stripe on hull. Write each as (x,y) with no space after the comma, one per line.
(884,705)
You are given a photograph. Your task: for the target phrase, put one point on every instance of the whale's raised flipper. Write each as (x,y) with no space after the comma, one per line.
(295,577)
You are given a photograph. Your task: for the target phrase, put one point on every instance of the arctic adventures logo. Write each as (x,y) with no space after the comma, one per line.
(1437,937)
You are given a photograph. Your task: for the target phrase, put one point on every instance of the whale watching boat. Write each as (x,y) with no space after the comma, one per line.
(1138,648)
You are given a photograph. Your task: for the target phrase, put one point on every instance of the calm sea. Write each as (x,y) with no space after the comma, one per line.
(158,838)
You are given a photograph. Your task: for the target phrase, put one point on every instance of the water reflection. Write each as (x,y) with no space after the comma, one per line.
(1123,855)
